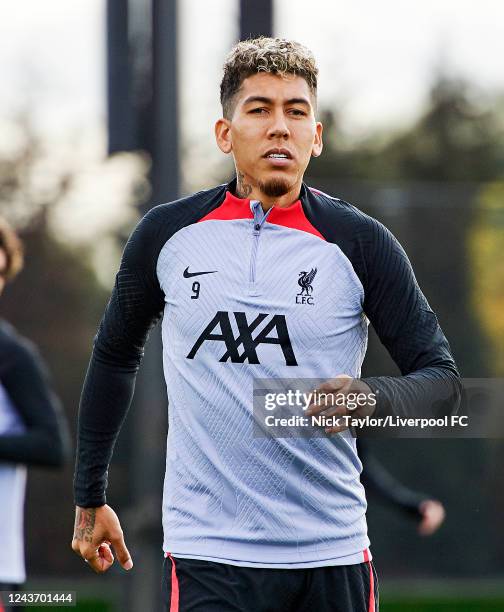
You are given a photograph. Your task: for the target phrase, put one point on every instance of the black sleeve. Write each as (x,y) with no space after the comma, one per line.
(404,321)
(377,479)
(45,441)
(136,304)
(409,329)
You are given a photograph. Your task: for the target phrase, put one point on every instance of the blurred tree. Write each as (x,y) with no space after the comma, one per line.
(56,302)
(57,299)
(486,243)
(454,139)
(422,182)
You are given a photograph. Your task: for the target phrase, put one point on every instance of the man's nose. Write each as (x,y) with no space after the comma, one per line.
(278,126)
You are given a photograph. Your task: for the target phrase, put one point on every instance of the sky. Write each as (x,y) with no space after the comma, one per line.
(376,61)
(375,58)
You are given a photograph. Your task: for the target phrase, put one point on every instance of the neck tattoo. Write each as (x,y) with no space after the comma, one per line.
(243,190)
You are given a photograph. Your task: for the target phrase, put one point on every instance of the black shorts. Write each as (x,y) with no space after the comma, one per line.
(192,585)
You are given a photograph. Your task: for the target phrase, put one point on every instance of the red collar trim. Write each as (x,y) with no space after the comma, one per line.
(235,200)
(292,216)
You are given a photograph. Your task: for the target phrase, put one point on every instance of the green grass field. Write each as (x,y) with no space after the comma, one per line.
(413,596)
(88,605)
(395,605)
(448,595)
(442,605)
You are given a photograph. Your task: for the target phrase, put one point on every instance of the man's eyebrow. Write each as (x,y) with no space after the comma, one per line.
(263,99)
(298,101)
(266,100)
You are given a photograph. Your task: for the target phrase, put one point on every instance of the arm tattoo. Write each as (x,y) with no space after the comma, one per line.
(84,524)
(242,189)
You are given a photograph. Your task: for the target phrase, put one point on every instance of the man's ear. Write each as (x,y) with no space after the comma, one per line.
(223,135)
(317,142)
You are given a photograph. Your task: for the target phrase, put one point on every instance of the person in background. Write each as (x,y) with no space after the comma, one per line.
(429,512)
(33,431)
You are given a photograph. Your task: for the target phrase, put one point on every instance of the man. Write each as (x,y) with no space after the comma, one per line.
(32,430)
(256,523)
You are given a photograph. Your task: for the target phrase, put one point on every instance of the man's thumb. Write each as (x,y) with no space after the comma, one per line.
(122,553)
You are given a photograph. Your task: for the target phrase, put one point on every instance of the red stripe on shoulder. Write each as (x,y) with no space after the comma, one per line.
(294,217)
(231,208)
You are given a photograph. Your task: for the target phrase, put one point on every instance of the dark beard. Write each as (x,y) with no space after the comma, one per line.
(274,188)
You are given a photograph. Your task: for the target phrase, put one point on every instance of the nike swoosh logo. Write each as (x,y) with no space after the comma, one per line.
(188,274)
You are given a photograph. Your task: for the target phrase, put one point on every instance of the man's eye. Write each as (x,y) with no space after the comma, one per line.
(257,110)
(297,112)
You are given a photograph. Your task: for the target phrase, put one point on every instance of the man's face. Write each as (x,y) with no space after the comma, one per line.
(272,133)
(3,269)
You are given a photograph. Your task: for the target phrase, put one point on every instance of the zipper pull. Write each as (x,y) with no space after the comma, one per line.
(258,215)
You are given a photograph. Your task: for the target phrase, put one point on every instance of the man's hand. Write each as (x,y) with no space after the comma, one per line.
(95,531)
(433,515)
(340,392)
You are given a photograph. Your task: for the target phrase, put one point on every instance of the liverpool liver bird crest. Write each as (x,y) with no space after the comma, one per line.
(305,281)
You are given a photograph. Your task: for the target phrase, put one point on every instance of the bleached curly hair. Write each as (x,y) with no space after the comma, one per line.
(274,55)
